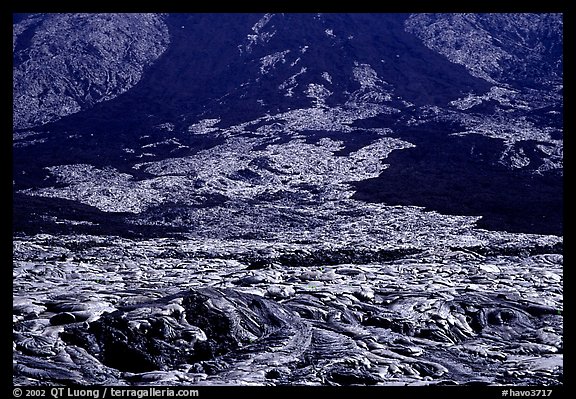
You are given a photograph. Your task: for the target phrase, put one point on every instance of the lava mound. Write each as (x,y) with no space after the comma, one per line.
(197,326)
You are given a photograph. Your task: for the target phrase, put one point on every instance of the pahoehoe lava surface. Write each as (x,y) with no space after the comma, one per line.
(446,316)
(288,199)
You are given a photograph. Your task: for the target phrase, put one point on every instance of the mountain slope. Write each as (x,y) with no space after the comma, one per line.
(64,63)
(288,199)
(340,82)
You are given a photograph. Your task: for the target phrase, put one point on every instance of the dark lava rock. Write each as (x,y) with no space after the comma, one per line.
(121,346)
(229,319)
(62,318)
(347,376)
(277,373)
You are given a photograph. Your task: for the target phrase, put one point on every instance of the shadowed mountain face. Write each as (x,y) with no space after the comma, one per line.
(290,169)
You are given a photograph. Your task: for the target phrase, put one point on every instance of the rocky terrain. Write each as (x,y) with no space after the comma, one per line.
(103,310)
(64,63)
(288,199)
